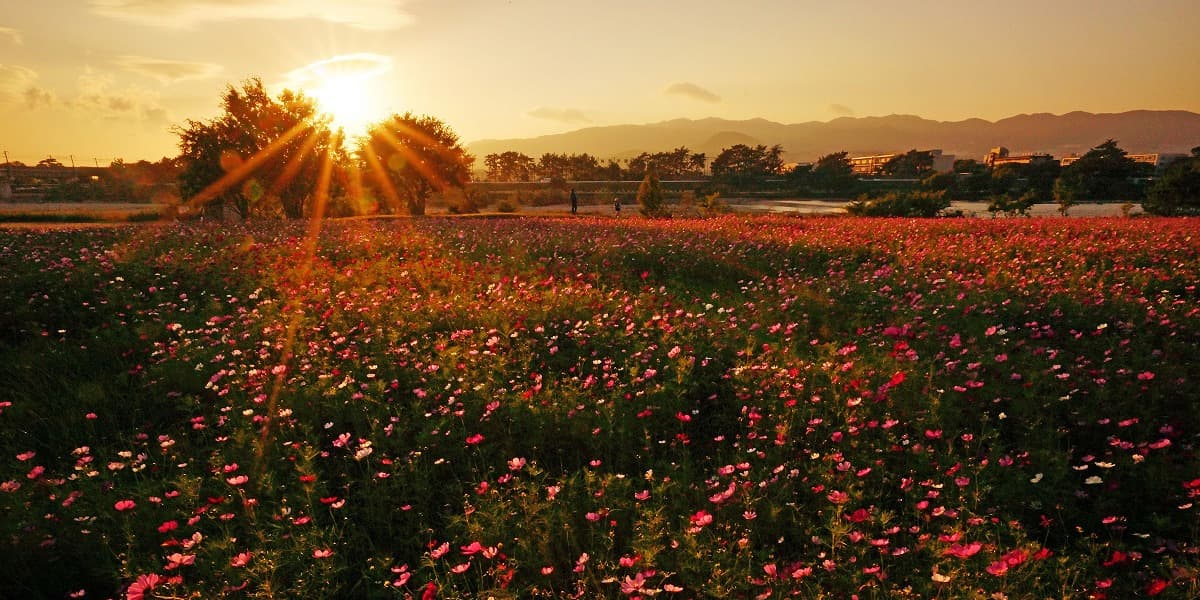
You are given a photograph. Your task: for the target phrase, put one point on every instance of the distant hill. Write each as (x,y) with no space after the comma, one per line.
(1075,132)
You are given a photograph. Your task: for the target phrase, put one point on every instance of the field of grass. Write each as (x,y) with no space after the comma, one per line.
(744,407)
(59,212)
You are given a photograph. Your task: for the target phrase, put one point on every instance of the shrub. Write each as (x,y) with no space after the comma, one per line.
(650,197)
(901,204)
(1177,192)
(711,205)
(1011,205)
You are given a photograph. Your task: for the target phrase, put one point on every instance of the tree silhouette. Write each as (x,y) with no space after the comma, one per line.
(833,174)
(1104,173)
(509,166)
(407,158)
(260,155)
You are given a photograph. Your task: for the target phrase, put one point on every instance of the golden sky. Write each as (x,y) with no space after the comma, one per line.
(102,79)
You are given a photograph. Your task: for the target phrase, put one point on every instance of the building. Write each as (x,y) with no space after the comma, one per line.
(873,165)
(1158,160)
(999,156)
(869,165)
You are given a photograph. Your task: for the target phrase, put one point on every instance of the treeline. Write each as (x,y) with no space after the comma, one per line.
(906,184)
(679,163)
(737,167)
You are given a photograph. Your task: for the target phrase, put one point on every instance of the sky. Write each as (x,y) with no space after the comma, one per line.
(90,81)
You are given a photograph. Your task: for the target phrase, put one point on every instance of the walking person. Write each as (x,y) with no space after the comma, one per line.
(617,205)
(574,202)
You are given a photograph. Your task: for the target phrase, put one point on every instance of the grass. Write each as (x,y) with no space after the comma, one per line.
(745,407)
(36,214)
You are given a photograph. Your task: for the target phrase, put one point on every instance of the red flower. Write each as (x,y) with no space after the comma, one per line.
(124,505)
(1156,587)
(998,568)
(1117,558)
(964,551)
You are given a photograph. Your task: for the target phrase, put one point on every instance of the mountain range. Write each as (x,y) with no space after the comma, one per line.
(1138,131)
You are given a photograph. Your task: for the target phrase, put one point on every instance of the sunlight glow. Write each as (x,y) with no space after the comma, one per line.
(345,100)
(343,88)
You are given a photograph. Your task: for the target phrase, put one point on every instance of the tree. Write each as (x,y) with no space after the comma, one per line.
(913,163)
(741,164)
(799,176)
(260,155)
(509,166)
(679,163)
(48,163)
(1177,192)
(650,196)
(1104,173)
(553,167)
(833,174)
(406,158)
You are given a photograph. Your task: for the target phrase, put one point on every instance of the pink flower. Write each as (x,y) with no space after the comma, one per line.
(322,553)
(964,551)
(241,559)
(462,568)
(998,568)
(124,505)
(137,590)
(440,551)
(475,439)
(1016,557)
(631,585)
(176,560)
(237,480)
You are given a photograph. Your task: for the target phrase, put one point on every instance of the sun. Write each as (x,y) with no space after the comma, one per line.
(347,102)
(346,88)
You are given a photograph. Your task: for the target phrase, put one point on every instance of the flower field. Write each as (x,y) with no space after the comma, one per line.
(743,407)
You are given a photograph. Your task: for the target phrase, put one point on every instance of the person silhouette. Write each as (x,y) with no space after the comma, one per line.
(617,205)
(574,202)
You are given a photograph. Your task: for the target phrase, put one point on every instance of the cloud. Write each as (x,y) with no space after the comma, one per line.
(98,96)
(356,67)
(841,110)
(565,115)
(692,91)
(12,34)
(168,71)
(363,14)
(38,97)
(18,85)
